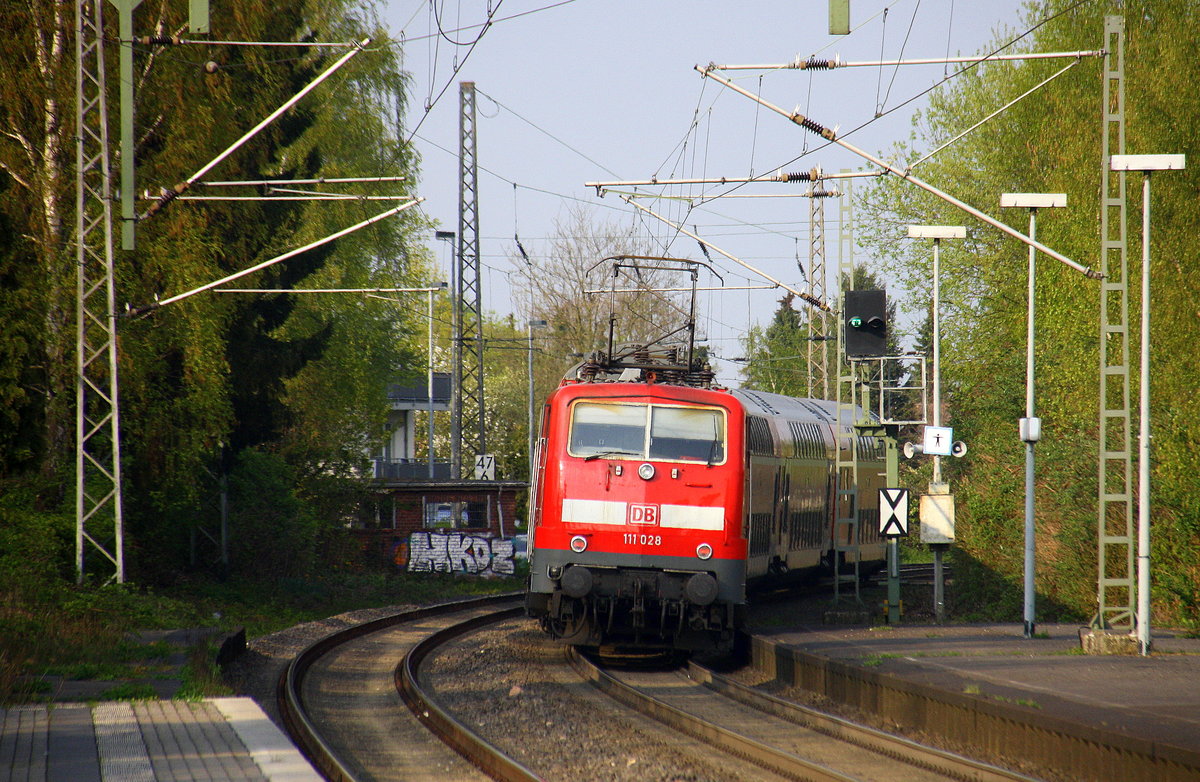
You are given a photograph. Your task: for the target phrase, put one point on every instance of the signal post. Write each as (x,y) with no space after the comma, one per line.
(865,328)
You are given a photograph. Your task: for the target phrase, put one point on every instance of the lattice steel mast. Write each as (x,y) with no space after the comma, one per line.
(1115,588)
(467,414)
(847,519)
(98,501)
(817,348)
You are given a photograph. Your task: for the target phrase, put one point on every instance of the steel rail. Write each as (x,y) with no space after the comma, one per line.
(756,752)
(480,752)
(288,691)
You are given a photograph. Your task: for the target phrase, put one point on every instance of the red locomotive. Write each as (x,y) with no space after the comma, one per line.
(658,498)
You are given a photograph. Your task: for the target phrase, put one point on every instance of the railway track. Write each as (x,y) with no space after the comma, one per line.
(339,701)
(788,739)
(916,573)
(344,700)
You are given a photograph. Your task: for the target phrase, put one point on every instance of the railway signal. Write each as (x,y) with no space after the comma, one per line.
(866,323)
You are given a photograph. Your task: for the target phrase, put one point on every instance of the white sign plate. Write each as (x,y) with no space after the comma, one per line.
(485,467)
(937,518)
(938,440)
(893,512)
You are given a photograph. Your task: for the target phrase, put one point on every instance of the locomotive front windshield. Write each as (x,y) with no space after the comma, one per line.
(640,431)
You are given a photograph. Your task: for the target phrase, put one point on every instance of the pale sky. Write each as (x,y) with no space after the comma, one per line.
(606,89)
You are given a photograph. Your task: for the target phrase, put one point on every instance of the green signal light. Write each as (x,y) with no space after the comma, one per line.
(856,322)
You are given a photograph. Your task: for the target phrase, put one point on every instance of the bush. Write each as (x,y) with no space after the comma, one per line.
(273,533)
(35,547)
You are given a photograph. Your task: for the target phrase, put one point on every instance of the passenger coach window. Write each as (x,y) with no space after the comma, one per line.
(687,434)
(604,430)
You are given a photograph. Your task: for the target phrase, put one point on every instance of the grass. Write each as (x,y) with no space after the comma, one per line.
(129,691)
(201,676)
(874,660)
(975,689)
(59,630)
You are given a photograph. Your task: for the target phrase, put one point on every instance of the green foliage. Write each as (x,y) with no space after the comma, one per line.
(273,532)
(85,633)
(129,691)
(201,678)
(780,357)
(1051,143)
(204,379)
(34,546)
(778,354)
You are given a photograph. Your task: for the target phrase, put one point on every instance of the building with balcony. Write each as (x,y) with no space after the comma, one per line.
(411,495)
(397,459)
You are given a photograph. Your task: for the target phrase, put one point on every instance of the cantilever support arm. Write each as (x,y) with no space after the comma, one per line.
(831,135)
(169,195)
(145,310)
(813,300)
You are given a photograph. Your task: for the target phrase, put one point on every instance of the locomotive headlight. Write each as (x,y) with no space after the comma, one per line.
(646,471)
(704,551)
(579,544)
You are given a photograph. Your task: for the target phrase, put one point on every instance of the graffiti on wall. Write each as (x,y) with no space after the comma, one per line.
(454,552)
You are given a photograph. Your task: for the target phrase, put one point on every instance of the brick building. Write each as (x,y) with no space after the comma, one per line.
(414,495)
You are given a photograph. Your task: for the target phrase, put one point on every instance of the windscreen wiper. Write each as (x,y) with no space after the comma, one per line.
(607,454)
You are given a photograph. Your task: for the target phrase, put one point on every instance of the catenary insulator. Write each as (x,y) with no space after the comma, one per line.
(811,175)
(814,64)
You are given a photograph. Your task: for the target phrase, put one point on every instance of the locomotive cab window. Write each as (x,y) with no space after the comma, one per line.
(608,430)
(638,431)
(687,434)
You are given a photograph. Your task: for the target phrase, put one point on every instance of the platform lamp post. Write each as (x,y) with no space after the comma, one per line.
(447,237)
(429,374)
(1030,426)
(937,233)
(937,486)
(532,324)
(1145,164)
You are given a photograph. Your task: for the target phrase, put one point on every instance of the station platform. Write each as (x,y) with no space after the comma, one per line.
(147,741)
(1139,703)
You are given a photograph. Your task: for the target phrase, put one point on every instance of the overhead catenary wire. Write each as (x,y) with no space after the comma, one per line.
(1006,106)
(330,290)
(896,69)
(970,62)
(174,40)
(827,133)
(545,132)
(835,63)
(810,193)
(309,181)
(679,228)
(308,197)
(598,291)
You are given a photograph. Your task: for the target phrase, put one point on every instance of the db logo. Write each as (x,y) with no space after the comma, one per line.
(643,514)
